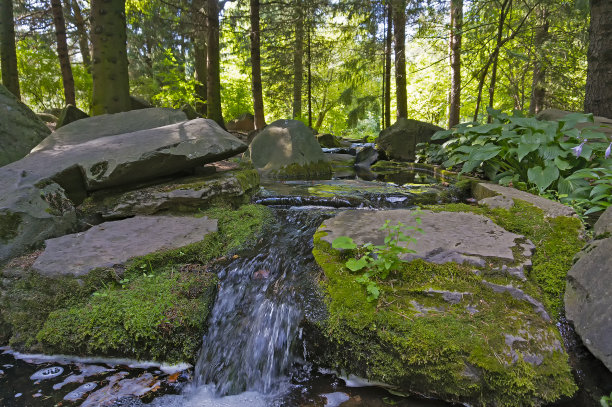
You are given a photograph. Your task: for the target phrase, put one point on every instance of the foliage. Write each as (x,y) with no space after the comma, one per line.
(606,401)
(544,154)
(378,260)
(599,189)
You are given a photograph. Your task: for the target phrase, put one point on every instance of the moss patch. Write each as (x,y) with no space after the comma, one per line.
(157,317)
(311,170)
(9,225)
(486,349)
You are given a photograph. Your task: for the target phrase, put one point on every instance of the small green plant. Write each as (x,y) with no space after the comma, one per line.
(376,261)
(606,401)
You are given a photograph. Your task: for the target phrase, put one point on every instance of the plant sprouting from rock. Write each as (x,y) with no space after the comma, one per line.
(376,261)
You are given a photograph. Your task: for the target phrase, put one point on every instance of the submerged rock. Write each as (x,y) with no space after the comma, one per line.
(288,149)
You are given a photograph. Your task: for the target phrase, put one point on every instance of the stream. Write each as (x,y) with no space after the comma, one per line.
(252,354)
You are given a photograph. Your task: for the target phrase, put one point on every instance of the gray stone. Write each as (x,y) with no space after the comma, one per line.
(588,299)
(447,236)
(139,103)
(399,140)
(70,114)
(519,294)
(366,156)
(243,123)
(97,127)
(190,112)
(496,202)
(327,140)
(47,117)
(482,190)
(603,226)
(20,128)
(288,149)
(114,243)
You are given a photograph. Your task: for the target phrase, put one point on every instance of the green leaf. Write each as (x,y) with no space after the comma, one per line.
(526,148)
(343,242)
(562,164)
(441,135)
(373,291)
(542,178)
(355,265)
(601,189)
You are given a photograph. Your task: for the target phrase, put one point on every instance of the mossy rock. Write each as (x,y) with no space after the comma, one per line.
(442,330)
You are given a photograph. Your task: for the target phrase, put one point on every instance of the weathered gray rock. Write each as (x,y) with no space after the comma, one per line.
(137,103)
(553,209)
(366,156)
(328,140)
(603,226)
(400,139)
(100,163)
(114,243)
(288,149)
(243,123)
(499,201)
(20,128)
(70,114)
(190,112)
(109,125)
(447,236)
(588,299)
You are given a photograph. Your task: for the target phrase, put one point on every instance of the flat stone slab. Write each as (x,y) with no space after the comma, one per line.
(553,209)
(588,299)
(113,243)
(447,236)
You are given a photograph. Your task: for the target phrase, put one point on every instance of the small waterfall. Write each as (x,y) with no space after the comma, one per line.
(261,300)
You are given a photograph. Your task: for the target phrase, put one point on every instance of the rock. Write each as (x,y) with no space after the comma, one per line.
(588,299)
(447,236)
(137,103)
(243,123)
(231,187)
(20,128)
(482,190)
(328,140)
(288,149)
(190,112)
(499,201)
(603,226)
(70,114)
(47,117)
(399,141)
(603,124)
(366,156)
(64,171)
(114,243)
(109,125)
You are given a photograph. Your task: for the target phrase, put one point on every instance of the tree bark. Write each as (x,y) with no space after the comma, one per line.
(538,92)
(8,53)
(505,9)
(82,34)
(213,91)
(298,61)
(62,51)
(200,57)
(598,96)
(456,23)
(389,41)
(309,80)
(258,106)
(399,34)
(111,87)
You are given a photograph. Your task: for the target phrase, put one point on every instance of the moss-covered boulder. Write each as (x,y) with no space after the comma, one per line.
(288,149)
(399,140)
(470,333)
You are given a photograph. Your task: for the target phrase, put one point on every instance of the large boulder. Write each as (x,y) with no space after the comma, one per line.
(39,191)
(327,140)
(399,140)
(70,114)
(243,123)
(460,321)
(20,128)
(288,149)
(588,294)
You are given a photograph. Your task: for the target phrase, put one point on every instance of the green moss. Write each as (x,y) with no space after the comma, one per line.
(248,179)
(159,317)
(416,341)
(311,170)
(396,166)
(9,225)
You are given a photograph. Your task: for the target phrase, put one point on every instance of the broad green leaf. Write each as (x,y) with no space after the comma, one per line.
(542,178)
(355,265)
(469,166)
(441,135)
(593,134)
(343,242)
(550,152)
(486,128)
(484,153)
(526,148)
(573,187)
(595,209)
(601,188)
(562,164)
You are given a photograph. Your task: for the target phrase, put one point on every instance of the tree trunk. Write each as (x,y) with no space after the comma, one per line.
(505,9)
(538,92)
(201,72)
(298,61)
(82,34)
(309,81)
(389,41)
(8,54)
(213,91)
(399,33)
(111,87)
(258,106)
(598,97)
(62,51)
(456,22)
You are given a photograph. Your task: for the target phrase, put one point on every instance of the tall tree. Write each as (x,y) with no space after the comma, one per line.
(298,60)
(399,36)
(111,88)
(213,90)
(79,22)
(456,24)
(62,51)
(200,51)
(538,91)
(8,54)
(598,97)
(258,106)
(387,81)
